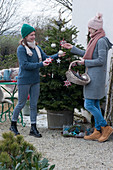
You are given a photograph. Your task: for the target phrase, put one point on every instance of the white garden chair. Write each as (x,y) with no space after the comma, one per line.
(3,111)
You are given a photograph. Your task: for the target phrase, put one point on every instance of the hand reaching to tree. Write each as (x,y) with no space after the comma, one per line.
(67,45)
(61,53)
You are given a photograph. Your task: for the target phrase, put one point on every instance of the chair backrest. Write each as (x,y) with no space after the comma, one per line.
(2,99)
(1,95)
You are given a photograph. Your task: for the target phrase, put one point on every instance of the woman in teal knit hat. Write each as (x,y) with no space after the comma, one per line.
(31,58)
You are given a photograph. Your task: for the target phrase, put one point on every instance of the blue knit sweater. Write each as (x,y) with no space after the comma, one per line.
(29,66)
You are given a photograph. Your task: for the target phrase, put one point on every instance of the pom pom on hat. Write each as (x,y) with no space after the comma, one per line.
(99,16)
(26,30)
(96,22)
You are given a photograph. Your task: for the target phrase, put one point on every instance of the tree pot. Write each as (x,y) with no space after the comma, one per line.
(56,119)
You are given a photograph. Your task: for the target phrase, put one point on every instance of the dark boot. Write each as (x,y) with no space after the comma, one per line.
(34,131)
(13,128)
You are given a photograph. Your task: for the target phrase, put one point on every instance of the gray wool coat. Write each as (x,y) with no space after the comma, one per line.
(97,68)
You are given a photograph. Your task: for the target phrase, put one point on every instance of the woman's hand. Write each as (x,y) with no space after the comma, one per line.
(67,45)
(81,61)
(45,63)
(61,55)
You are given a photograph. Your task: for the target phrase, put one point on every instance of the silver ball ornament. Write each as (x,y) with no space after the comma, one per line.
(60,52)
(53,45)
(63,29)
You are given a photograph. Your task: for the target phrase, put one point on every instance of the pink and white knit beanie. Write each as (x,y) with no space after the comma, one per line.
(96,22)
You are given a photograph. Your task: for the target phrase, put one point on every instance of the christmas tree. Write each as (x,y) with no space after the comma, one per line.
(56,92)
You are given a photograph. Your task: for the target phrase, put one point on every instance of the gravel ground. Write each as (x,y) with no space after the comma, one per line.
(68,153)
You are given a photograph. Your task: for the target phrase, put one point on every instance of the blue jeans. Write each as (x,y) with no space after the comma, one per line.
(93,106)
(23,92)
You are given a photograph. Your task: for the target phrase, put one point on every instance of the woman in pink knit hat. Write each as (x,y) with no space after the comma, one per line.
(95,59)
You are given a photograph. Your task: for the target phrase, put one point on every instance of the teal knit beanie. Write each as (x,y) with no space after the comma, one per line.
(26,30)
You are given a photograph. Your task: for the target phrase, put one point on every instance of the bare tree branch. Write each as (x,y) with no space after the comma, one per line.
(66,3)
(8,15)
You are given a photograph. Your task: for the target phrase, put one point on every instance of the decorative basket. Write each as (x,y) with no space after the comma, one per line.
(73,77)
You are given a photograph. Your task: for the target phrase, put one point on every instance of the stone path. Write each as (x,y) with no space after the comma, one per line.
(67,153)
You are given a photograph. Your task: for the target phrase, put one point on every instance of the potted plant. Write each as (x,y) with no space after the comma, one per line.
(58,96)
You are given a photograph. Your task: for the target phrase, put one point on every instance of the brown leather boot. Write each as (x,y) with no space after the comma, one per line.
(94,136)
(106,132)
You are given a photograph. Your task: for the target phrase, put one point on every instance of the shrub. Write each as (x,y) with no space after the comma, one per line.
(8,61)
(9,44)
(17,154)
